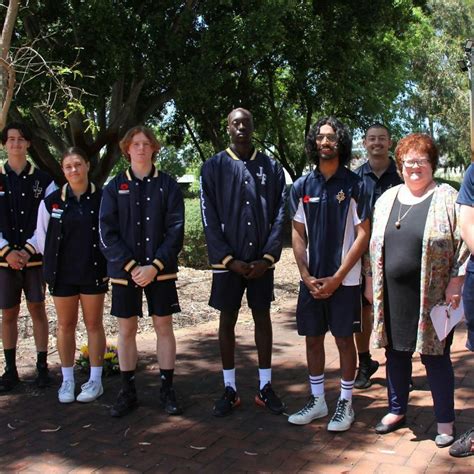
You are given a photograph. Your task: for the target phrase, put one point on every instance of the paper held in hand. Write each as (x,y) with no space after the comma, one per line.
(444,318)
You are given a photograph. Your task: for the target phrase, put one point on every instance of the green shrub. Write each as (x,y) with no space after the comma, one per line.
(194,253)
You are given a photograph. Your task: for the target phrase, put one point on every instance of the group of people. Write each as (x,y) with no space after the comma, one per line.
(79,239)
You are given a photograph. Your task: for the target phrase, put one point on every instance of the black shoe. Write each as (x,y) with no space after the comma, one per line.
(43,379)
(463,446)
(169,402)
(364,373)
(125,403)
(266,397)
(224,405)
(382,428)
(9,381)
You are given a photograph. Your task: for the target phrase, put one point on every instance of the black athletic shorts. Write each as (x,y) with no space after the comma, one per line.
(73,290)
(161,296)
(13,282)
(229,287)
(341,312)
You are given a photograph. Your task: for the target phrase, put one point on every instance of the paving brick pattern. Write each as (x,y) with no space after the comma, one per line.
(37,434)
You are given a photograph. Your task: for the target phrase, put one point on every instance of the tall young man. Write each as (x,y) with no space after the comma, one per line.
(331,229)
(141,233)
(379,173)
(464,446)
(22,187)
(242,201)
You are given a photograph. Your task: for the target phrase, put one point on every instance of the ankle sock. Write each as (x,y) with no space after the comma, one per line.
(317,385)
(166,376)
(68,374)
(10,360)
(128,380)
(229,378)
(346,389)
(96,374)
(265,376)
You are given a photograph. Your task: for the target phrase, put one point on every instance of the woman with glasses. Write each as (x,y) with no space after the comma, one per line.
(416,253)
(75,270)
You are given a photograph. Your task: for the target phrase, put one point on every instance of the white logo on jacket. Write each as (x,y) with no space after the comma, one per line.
(262,176)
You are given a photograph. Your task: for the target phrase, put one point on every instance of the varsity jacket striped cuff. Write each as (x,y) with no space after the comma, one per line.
(225,262)
(158,264)
(130,265)
(269,258)
(4,251)
(30,249)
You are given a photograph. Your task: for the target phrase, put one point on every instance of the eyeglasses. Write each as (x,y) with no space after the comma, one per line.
(411,163)
(331,137)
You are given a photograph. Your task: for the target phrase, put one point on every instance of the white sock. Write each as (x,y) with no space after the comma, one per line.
(229,378)
(68,373)
(265,376)
(346,389)
(317,385)
(96,374)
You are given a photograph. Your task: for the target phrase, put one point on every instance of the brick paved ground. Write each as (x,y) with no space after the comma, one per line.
(37,434)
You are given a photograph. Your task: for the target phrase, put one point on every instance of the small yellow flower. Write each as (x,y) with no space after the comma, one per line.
(109,355)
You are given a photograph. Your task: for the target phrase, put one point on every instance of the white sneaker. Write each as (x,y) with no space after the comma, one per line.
(315,408)
(66,392)
(343,416)
(90,391)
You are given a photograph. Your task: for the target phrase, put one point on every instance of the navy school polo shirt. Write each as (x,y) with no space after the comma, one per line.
(375,186)
(326,207)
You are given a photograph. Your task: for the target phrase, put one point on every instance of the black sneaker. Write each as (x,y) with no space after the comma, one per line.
(224,405)
(266,397)
(43,379)
(364,373)
(9,381)
(463,446)
(125,403)
(169,402)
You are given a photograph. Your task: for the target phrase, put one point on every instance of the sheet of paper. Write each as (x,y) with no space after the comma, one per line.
(444,318)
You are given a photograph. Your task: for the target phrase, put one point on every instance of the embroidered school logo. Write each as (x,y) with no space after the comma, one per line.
(123,189)
(55,206)
(307,199)
(37,189)
(262,176)
(340,196)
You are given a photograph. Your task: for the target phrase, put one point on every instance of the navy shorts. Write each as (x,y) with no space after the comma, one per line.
(73,290)
(341,312)
(229,287)
(13,282)
(161,296)
(468,301)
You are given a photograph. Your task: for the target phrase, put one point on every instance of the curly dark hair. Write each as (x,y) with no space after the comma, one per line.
(344,140)
(24,130)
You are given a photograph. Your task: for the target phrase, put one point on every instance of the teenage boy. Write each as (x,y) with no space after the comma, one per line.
(331,231)
(242,201)
(141,233)
(22,187)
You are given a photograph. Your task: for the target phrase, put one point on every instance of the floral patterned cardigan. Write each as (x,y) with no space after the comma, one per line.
(443,256)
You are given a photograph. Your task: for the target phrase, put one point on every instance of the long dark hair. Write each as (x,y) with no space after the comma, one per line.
(344,140)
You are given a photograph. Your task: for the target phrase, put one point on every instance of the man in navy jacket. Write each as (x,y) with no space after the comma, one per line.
(141,228)
(242,201)
(22,187)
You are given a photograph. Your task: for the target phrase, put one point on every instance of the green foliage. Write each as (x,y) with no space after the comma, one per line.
(437,96)
(194,253)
